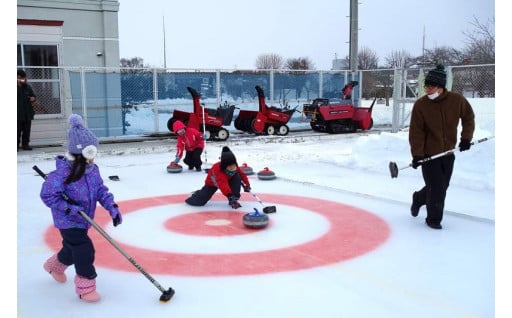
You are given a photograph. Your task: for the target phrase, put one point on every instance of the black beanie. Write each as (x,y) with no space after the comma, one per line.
(436,77)
(226,158)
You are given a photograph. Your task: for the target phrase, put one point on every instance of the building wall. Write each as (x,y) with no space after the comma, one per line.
(87,37)
(89,27)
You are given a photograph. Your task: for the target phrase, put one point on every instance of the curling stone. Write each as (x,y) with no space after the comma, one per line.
(255,220)
(174,168)
(246,169)
(266,174)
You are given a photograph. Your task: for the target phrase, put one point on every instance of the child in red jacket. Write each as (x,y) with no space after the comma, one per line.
(191,141)
(226,176)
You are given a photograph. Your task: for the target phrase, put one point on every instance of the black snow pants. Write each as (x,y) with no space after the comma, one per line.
(24,127)
(203,195)
(193,159)
(77,249)
(436,174)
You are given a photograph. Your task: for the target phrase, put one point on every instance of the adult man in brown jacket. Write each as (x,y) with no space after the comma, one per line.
(433,130)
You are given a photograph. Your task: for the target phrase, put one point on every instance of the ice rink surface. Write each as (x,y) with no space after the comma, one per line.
(342,243)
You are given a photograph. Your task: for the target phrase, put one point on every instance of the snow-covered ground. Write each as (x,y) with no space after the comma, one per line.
(342,243)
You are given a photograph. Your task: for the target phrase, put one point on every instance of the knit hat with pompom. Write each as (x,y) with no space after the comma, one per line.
(80,139)
(436,77)
(227,158)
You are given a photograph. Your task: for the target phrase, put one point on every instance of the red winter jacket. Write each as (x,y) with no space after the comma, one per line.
(218,178)
(191,140)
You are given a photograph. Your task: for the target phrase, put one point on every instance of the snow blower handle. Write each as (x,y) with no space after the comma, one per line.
(205,138)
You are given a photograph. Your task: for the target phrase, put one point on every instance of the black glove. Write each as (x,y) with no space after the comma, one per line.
(416,161)
(464,145)
(115,214)
(117,220)
(73,213)
(247,188)
(73,209)
(233,202)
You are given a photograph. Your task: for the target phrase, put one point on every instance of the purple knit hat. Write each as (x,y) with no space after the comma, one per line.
(80,139)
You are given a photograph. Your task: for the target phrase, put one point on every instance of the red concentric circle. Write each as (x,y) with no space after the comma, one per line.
(352,232)
(208,223)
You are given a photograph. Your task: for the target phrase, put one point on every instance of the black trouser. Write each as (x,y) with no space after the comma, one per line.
(203,195)
(436,174)
(193,158)
(77,249)
(24,127)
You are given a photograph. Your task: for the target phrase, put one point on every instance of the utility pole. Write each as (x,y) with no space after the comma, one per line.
(165,53)
(423,47)
(354,28)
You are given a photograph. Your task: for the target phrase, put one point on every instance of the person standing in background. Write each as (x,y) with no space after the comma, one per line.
(433,130)
(190,141)
(26,112)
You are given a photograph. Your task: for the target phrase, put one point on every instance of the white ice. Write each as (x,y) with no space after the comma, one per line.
(416,272)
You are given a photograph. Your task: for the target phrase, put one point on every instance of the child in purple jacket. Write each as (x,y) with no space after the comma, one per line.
(76,185)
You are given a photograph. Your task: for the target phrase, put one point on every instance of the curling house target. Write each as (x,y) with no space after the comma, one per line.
(350,232)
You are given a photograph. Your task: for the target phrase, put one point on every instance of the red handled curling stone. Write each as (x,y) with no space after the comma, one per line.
(266,174)
(174,168)
(255,220)
(246,169)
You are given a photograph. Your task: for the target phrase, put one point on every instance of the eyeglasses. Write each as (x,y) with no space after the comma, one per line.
(429,86)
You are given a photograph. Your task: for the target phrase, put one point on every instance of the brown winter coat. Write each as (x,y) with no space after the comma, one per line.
(434,123)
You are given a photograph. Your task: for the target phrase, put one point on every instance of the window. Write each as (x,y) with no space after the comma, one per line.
(40,62)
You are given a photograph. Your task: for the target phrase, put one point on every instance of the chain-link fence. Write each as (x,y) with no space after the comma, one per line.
(107,97)
(46,83)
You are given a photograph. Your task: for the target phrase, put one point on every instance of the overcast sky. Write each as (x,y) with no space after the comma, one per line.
(233,33)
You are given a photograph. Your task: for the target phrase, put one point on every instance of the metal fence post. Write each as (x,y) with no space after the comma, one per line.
(271,88)
(397,84)
(155,100)
(217,87)
(84,95)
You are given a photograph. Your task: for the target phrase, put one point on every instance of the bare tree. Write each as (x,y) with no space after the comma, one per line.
(443,55)
(140,86)
(134,62)
(399,59)
(367,59)
(269,61)
(300,63)
(298,79)
(481,43)
(480,49)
